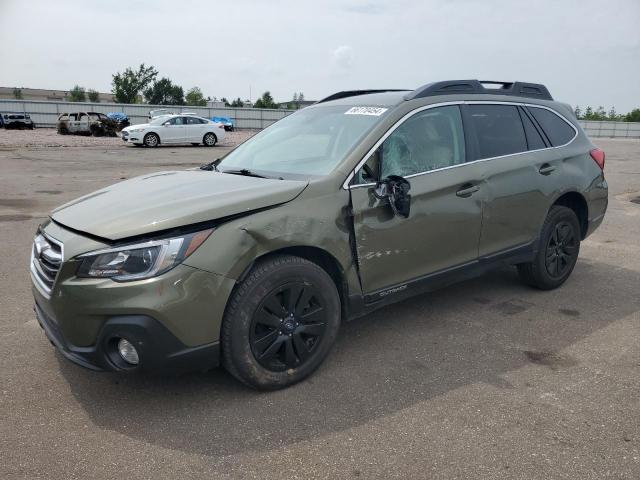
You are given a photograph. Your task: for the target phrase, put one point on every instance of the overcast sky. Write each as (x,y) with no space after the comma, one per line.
(585,51)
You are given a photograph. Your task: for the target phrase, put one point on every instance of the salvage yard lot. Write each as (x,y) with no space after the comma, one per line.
(485,379)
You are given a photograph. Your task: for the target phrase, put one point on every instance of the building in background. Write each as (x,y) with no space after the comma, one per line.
(8,93)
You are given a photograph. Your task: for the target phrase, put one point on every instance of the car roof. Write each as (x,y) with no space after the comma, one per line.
(381,99)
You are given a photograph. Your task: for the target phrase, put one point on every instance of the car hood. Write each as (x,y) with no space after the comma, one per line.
(166,200)
(141,125)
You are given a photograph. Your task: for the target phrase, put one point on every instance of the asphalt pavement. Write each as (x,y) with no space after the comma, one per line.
(484,379)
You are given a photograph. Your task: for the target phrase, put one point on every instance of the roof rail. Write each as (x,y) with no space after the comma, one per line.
(355,93)
(452,87)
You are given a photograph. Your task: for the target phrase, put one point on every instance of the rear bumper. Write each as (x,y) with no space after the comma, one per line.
(157,347)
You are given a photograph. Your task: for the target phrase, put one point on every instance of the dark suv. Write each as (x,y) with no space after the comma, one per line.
(358,201)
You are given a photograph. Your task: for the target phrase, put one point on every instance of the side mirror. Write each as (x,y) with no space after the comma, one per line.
(396,189)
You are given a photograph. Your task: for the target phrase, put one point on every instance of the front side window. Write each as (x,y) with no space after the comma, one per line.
(498,129)
(176,121)
(557,130)
(429,140)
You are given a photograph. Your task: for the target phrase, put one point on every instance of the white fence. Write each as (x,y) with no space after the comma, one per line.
(611,129)
(45,114)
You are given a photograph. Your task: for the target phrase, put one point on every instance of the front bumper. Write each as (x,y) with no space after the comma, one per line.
(175,316)
(131,137)
(158,349)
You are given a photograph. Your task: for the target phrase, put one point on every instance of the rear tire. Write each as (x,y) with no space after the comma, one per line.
(280,323)
(151,140)
(558,249)
(209,140)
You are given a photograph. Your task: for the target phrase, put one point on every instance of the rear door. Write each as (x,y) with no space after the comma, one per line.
(73,122)
(508,143)
(443,228)
(194,129)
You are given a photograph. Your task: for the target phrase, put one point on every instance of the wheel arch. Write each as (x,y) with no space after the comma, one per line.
(576,202)
(212,133)
(317,255)
(155,133)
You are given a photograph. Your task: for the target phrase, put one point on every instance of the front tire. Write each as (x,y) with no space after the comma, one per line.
(151,140)
(558,250)
(280,323)
(209,140)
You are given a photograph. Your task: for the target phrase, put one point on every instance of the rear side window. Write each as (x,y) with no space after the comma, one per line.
(558,131)
(534,140)
(499,130)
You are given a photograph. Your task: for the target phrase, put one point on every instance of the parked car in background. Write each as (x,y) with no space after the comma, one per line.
(120,119)
(173,129)
(17,120)
(359,201)
(226,121)
(159,112)
(86,123)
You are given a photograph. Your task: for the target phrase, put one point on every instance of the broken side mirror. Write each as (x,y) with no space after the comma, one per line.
(396,189)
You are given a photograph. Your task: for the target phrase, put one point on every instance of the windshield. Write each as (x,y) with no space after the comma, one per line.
(312,141)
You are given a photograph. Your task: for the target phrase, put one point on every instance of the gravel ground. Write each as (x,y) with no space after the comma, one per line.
(49,137)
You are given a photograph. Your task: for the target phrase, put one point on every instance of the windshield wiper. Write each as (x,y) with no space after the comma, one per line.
(211,165)
(244,171)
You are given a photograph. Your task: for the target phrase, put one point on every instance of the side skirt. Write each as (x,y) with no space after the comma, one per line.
(362,304)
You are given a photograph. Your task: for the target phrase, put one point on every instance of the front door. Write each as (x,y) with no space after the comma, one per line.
(443,227)
(173,130)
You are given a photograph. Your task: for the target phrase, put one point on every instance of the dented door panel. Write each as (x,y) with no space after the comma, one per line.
(443,229)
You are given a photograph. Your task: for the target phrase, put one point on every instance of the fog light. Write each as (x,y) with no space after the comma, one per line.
(128,352)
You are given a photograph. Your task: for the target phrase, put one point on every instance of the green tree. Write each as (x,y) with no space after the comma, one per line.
(633,115)
(195,97)
(93,96)
(578,112)
(164,92)
(17,93)
(613,115)
(265,101)
(128,85)
(77,94)
(226,102)
(237,103)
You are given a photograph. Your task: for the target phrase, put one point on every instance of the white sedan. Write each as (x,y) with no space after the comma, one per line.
(172,129)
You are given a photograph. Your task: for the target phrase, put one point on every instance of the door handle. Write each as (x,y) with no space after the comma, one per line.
(467,190)
(546,169)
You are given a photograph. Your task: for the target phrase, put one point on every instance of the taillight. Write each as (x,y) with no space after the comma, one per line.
(598,157)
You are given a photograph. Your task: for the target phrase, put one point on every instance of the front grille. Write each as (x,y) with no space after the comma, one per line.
(125,134)
(46,259)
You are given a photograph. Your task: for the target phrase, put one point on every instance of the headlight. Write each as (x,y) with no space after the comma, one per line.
(135,130)
(142,260)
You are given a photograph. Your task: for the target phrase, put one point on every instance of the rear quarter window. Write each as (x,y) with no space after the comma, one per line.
(557,130)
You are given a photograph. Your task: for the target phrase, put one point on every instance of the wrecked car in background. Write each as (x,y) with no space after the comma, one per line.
(16,120)
(86,123)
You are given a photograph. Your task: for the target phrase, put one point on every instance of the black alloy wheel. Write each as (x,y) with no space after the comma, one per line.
(562,248)
(288,327)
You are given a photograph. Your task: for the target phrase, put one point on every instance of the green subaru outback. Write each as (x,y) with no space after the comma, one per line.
(361,200)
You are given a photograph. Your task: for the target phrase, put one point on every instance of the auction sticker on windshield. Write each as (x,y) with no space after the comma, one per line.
(375,111)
